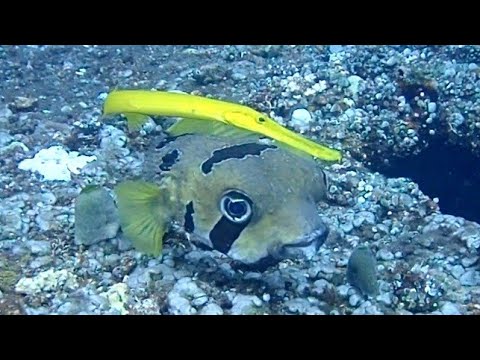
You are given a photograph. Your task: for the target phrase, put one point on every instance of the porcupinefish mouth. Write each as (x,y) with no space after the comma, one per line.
(305,247)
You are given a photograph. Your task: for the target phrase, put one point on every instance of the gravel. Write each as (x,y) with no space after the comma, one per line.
(450,309)
(470,278)
(245,305)
(211,309)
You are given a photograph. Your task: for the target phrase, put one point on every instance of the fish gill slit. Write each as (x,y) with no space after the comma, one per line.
(169,160)
(188,223)
(234,152)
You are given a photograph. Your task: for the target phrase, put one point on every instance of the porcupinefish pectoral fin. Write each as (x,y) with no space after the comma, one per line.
(142,216)
(206,127)
(135,121)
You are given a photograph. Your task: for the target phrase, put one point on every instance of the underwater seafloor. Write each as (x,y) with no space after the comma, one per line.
(407,119)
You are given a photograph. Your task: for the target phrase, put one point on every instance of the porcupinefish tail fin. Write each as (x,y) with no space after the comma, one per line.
(142,220)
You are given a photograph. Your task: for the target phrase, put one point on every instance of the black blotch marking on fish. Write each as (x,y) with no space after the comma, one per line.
(234,152)
(224,233)
(165,141)
(188,224)
(169,159)
(168,140)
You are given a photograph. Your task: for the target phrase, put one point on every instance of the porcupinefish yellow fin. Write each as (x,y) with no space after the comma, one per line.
(193,126)
(141,216)
(135,121)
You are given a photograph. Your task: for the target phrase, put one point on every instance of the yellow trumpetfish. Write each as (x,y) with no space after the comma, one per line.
(136,104)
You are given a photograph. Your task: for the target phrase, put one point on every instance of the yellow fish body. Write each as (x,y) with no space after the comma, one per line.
(137,104)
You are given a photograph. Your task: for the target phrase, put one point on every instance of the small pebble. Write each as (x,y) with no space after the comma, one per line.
(179,305)
(354,300)
(450,309)
(127,73)
(472,66)
(467,262)
(25,103)
(245,304)
(40,262)
(102,96)
(385,298)
(343,290)
(335,48)
(39,247)
(457,271)
(200,301)
(298,306)
(301,119)
(391,61)
(470,278)
(385,255)
(211,309)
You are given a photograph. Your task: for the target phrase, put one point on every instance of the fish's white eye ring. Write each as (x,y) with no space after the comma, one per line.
(236,207)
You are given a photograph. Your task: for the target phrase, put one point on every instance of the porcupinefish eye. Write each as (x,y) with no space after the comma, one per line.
(236,207)
(237,211)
